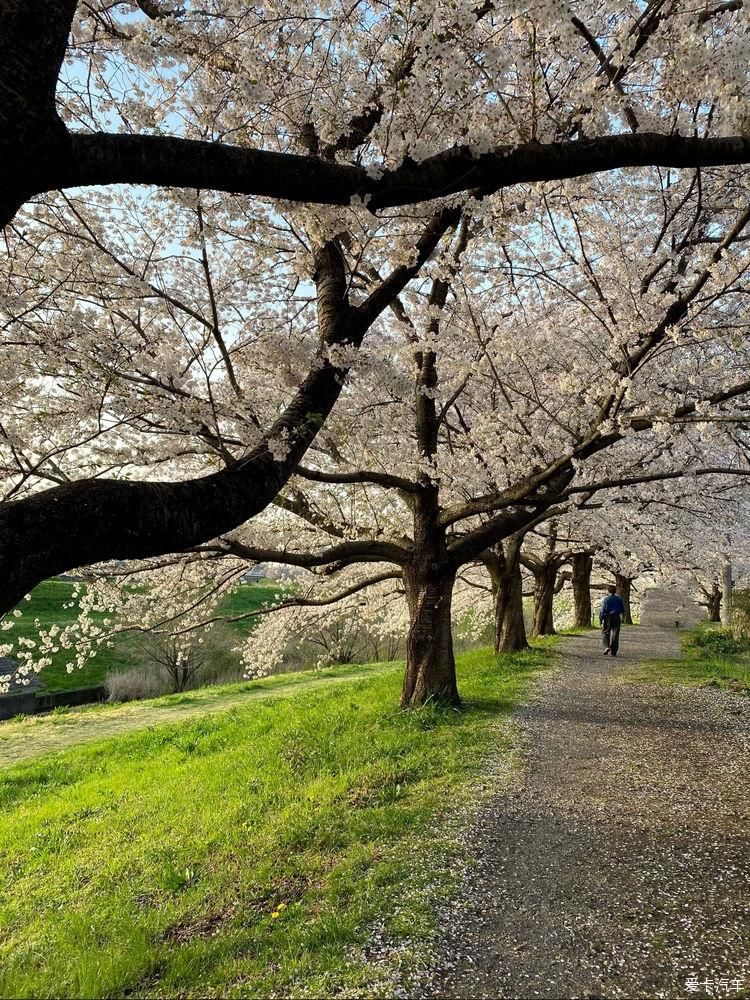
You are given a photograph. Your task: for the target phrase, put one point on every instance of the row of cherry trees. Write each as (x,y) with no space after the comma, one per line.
(177,601)
(449,448)
(382,292)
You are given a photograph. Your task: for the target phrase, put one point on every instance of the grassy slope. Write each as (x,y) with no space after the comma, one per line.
(710,659)
(47,606)
(29,736)
(244,853)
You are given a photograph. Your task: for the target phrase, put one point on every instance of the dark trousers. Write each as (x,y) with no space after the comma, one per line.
(611,633)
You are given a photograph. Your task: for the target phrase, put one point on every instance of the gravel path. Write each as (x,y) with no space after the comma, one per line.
(618,867)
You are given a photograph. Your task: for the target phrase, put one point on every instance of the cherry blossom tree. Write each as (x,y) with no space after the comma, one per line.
(545,568)
(460,462)
(382,108)
(152,354)
(503,564)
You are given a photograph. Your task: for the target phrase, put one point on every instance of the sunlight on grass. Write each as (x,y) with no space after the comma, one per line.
(243,853)
(712,658)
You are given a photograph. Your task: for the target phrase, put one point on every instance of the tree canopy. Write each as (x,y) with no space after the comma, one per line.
(420,276)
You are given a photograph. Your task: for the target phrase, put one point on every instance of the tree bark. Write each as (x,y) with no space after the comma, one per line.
(512,638)
(430,664)
(495,564)
(623,585)
(499,607)
(545,576)
(582,564)
(727,588)
(429,577)
(34,143)
(428,581)
(504,568)
(713,603)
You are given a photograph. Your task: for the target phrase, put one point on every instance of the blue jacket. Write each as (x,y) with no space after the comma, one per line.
(612,604)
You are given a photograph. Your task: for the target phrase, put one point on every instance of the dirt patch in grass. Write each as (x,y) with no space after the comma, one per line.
(204,927)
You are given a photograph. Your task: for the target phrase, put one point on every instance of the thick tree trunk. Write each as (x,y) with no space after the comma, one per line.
(727,591)
(499,608)
(512,637)
(544,593)
(713,604)
(429,577)
(582,564)
(430,663)
(504,568)
(34,143)
(623,585)
(495,563)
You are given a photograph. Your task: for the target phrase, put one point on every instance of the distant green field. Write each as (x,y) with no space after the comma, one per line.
(46,608)
(247,598)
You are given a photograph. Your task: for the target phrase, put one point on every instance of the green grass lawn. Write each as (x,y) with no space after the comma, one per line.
(244,853)
(29,736)
(712,658)
(47,607)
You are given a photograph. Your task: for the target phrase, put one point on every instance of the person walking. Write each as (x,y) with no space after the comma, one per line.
(610,618)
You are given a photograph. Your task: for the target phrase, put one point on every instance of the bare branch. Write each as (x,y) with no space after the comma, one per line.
(351,551)
(384,479)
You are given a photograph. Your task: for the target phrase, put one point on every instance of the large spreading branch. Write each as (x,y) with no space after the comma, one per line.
(467,547)
(372,477)
(342,554)
(38,153)
(534,490)
(551,559)
(531,501)
(92,520)
(79,160)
